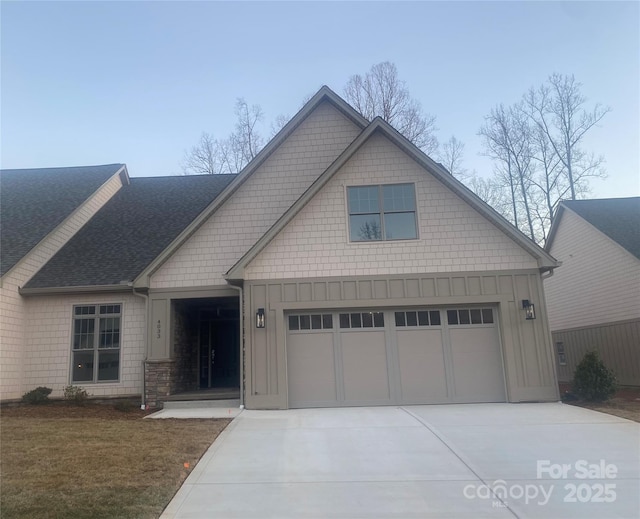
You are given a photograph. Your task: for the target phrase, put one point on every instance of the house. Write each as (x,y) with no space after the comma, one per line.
(594,299)
(341,267)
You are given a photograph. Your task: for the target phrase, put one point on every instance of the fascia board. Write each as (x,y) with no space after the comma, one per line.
(74,290)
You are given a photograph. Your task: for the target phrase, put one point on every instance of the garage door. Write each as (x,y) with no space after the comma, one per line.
(396,356)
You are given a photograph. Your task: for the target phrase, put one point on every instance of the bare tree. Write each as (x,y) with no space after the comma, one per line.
(204,158)
(491,191)
(507,139)
(536,147)
(380,93)
(557,109)
(279,123)
(247,139)
(450,155)
(550,180)
(212,156)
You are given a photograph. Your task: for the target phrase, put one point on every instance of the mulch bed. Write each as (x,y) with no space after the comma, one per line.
(625,403)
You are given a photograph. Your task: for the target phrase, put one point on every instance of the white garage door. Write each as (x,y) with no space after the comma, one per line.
(404,356)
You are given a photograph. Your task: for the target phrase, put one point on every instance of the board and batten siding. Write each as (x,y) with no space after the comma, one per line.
(214,248)
(617,343)
(598,282)
(526,345)
(49,324)
(12,306)
(452,236)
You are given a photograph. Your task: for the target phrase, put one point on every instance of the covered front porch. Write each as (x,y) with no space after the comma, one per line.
(202,340)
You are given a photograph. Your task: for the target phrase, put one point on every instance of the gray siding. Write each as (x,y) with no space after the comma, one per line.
(617,343)
(529,365)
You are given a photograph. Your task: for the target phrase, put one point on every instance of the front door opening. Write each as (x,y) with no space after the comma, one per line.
(219,352)
(206,344)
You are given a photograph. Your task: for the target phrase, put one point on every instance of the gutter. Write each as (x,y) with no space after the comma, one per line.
(143,404)
(241,322)
(549,273)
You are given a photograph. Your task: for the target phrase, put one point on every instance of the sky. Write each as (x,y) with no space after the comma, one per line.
(138,82)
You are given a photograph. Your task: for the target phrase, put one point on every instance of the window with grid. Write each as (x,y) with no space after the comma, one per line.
(470,316)
(311,322)
(385,212)
(362,320)
(96,343)
(418,318)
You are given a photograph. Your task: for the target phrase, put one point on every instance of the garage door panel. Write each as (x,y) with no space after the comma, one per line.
(422,366)
(396,356)
(477,365)
(311,369)
(364,367)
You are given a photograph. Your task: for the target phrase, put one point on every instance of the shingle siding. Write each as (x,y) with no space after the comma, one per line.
(598,282)
(48,343)
(453,237)
(12,321)
(259,202)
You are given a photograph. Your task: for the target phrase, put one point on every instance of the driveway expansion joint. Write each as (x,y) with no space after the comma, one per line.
(465,462)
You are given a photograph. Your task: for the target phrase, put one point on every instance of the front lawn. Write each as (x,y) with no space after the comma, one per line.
(60,461)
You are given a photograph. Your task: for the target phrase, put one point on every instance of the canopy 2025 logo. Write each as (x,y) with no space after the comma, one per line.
(501,492)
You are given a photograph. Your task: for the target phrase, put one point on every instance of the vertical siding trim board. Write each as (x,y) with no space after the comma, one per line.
(521,385)
(618,344)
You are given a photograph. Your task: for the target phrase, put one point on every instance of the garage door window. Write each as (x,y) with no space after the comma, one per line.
(470,316)
(311,322)
(418,318)
(362,320)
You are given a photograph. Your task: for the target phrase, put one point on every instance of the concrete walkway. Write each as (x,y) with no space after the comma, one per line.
(449,461)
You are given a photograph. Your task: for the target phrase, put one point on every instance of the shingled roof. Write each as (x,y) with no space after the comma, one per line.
(130,231)
(618,218)
(33,202)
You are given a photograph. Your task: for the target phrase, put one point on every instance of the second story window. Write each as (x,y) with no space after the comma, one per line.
(384,212)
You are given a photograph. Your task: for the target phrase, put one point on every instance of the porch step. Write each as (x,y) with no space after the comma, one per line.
(195,404)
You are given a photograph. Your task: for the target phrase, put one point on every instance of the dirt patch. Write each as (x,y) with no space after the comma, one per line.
(625,403)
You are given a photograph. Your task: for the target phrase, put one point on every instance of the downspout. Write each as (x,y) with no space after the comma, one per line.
(146,346)
(549,273)
(241,322)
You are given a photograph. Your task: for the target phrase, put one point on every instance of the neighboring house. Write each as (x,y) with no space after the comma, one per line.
(594,299)
(342,266)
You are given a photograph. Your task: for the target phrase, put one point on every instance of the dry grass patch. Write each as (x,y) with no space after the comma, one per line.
(65,462)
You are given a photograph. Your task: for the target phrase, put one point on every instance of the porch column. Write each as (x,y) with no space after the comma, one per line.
(159,371)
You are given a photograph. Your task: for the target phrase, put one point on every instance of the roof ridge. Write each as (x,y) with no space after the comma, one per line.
(115,164)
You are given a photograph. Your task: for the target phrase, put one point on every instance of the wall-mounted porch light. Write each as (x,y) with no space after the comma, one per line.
(260,318)
(529,309)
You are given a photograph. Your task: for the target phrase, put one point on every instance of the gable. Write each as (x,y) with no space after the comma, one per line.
(617,218)
(453,236)
(259,201)
(33,202)
(599,281)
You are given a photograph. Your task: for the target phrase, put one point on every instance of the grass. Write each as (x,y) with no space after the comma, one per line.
(59,462)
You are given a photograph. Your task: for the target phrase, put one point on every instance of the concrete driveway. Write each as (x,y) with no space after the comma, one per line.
(448,461)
